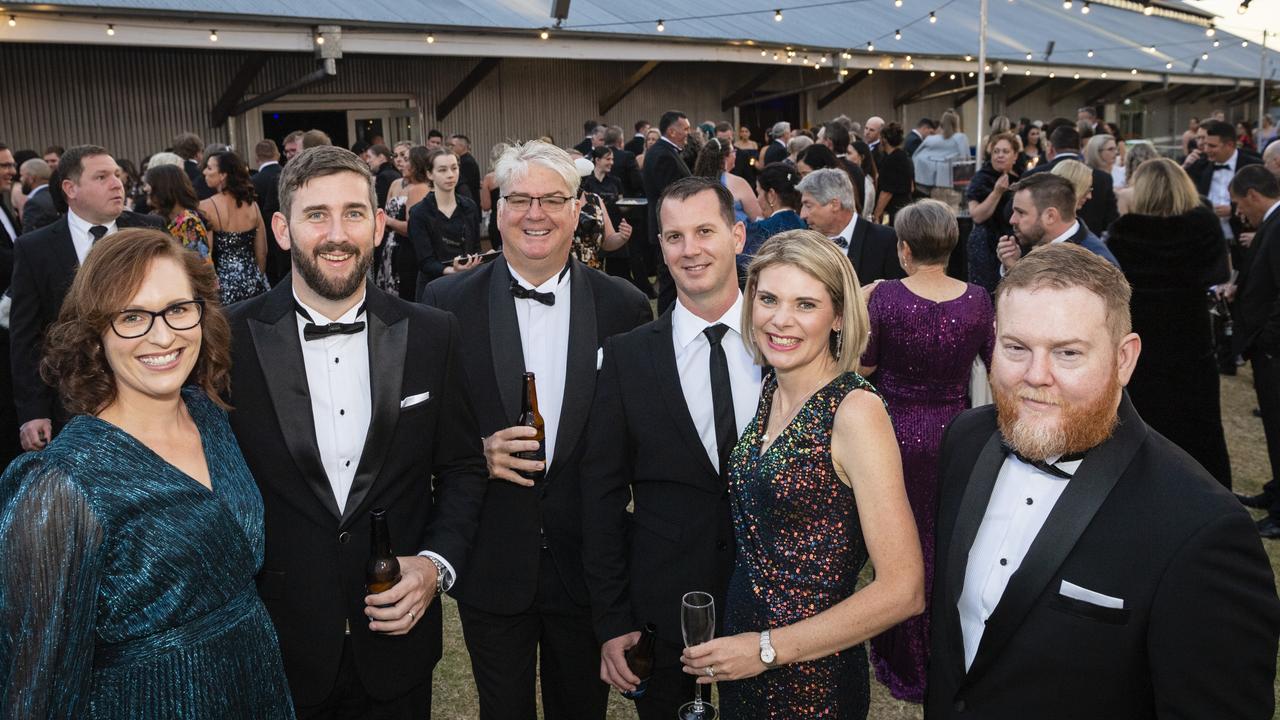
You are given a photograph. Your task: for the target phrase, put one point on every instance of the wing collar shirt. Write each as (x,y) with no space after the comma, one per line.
(80,235)
(1020,503)
(544,338)
(693,363)
(1218,189)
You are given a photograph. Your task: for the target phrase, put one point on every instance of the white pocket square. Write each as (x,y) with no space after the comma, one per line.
(599,359)
(415,400)
(1075,592)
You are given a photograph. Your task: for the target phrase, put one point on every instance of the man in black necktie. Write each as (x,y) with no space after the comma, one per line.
(45,262)
(524,601)
(827,203)
(672,398)
(1097,570)
(349,399)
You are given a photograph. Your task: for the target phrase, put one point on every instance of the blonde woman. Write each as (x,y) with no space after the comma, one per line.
(1081,178)
(1139,153)
(933,158)
(1102,153)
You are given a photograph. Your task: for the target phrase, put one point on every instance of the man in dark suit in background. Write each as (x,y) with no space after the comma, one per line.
(663,166)
(777,151)
(1211,167)
(349,399)
(44,264)
(266,183)
(593,135)
(535,309)
(468,168)
(1086,566)
(39,209)
(190,148)
(1255,193)
(625,167)
(922,130)
(655,436)
(1100,210)
(635,145)
(827,204)
(836,137)
(627,170)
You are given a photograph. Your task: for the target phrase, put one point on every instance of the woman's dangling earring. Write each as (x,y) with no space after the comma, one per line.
(839,344)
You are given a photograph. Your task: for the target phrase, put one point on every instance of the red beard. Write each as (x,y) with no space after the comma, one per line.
(1080,427)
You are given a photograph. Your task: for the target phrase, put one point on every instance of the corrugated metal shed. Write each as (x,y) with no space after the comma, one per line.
(1106,38)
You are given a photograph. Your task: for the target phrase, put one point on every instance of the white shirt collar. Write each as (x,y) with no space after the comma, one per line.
(672,144)
(1270,210)
(269,162)
(320,318)
(552,284)
(1231,161)
(1069,233)
(80,227)
(36,190)
(686,326)
(781,210)
(847,232)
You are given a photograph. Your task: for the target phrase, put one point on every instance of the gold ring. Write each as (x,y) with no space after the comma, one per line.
(411,616)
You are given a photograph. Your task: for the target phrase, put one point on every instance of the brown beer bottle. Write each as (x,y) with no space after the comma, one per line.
(530,417)
(383,569)
(640,659)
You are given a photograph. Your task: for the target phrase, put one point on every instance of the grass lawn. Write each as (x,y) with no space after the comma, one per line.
(455,692)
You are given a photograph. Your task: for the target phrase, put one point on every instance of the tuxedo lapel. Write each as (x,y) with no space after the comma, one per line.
(388,344)
(275,340)
(580,370)
(663,354)
(857,247)
(1085,493)
(64,254)
(504,340)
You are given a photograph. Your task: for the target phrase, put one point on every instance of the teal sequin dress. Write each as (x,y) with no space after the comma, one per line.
(800,549)
(126,587)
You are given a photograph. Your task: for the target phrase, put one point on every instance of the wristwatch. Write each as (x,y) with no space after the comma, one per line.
(767,654)
(441,572)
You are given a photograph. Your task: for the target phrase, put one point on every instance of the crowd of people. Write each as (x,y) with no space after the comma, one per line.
(223,371)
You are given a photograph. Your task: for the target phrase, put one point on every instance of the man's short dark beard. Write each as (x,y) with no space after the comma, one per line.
(335,290)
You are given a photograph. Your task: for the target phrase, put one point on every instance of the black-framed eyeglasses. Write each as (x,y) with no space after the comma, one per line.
(134,323)
(550,203)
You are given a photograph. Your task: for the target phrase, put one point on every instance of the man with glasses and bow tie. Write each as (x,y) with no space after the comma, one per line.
(349,399)
(524,598)
(44,264)
(827,204)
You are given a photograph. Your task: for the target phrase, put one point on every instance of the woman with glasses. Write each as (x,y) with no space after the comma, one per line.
(445,227)
(129,545)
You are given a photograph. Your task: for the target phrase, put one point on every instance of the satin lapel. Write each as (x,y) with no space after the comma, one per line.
(504,341)
(275,340)
(857,246)
(580,370)
(388,345)
(668,375)
(64,255)
(1085,493)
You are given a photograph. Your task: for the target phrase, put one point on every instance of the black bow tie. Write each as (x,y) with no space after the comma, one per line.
(312,331)
(1218,167)
(524,293)
(1047,467)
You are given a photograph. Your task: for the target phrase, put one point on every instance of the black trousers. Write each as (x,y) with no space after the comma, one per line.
(506,649)
(349,701)
(1266,385)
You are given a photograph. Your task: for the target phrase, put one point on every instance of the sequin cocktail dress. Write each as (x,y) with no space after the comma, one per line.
(126,587)
(800,550)
(239,277)
(924,352)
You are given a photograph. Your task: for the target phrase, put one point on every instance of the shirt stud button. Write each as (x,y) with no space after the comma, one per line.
(1004,561)
(1030,501)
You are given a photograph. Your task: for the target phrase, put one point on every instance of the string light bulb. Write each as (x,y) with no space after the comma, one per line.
(431,38)
(870,47)
(1204,56)
(1052,75)
(908,58)
(1027,73)
(1084,9)
(662,27)
(897,3)
(1244,6)
(1210,31)
(933,18)
(111,30)
(968,58)
(1103,75)
(1148,9)
(1168,66)
(1217,43)
(933,73)
(319,39)
(544,34)
(1076,76)
(871,71)
(953,76)
(213,36)
(764,53)
(897,34)
(1028,56)
(1133,71)
(1066,4)
(777,15)
(1151,48)
(13,21)
(1244,43)
(1090,53)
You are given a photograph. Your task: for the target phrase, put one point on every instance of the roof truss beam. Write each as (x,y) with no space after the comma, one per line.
(608,102)
(465,86)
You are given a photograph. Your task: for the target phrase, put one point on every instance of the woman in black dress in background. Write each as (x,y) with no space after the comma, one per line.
(991,206)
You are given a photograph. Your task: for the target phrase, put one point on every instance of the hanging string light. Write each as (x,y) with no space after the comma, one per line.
(1084,10)
(544,34)
(13,21)
(897,34)
(777,15)
(662,27)
(1090,53)
(1066,4)
(111,29)
(430,38)
(213,36)
(933,18)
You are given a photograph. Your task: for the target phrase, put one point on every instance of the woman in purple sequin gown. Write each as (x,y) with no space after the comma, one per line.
(926,331)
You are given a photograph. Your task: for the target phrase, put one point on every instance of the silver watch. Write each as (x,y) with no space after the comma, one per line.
(441,571)
(767,654)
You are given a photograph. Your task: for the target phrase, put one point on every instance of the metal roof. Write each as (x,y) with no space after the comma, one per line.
(1119,39)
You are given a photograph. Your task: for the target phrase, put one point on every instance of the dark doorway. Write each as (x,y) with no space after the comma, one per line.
(761,116)
(276,125)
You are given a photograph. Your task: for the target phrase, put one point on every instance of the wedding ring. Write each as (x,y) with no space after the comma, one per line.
(711,671)
(411,616)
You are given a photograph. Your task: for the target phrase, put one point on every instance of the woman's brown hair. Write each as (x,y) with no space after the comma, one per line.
(114,270)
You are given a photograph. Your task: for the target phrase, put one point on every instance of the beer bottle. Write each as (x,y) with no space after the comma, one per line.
(640,659)
(383,569)
(530,417)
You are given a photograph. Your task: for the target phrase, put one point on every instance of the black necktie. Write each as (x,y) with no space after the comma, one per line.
(312,331)
(721,395)
(524,293)
(1046,467)
(840,242)
(1216,167)
(97,231)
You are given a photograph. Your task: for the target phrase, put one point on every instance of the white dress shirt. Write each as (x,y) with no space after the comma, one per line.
(1270,210)
(338,382)
(1071,231)
(693,363)
(1020,503)
(544,338)
(269,162)
(1218,190)
(847,232)
(80,235)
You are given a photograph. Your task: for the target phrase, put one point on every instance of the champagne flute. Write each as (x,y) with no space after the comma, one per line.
(698,623)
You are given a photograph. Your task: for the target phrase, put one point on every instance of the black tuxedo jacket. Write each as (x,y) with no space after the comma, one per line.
(873,250)
(1258,305)
(517,521)
(914,138)
(635,145)
(662,166)
(468,177)
(1202,175)
(584,146)
(39,212)
(423,463)
(6,246)
(267,185)
(44,264)
(776,152)
(1139,521)
(642,446)
(627,170)
(1100,211)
